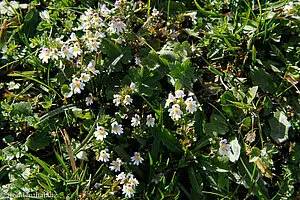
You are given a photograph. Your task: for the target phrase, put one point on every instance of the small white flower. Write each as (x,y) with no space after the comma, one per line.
(115,165)
(131,180)
(128,190)
(12,85)
(190,105)
(76,50)
(121,177)
(54,54)
(192,15)
(76,85)
(288,8)
(150,120)
(45,15)
(89,100)
(92,44)
(100,34)
(104,157)
(104,10)
(116,128)
(179,94)
(65,52)
(73,37)
(135,121)
(96,20)
(155,12)
(91,67)
(117,26)
(138,61)
(224,149)
(84,77)
(136,159)
(44,55)
(117,99)
(132,86)
(175,112)
(170,99)
(100,133)
(127,100)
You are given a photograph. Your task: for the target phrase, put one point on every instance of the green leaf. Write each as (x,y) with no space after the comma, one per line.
(170,141)
(236,150)
(264,80)
(254,154)
(30,23)
(279,127)
(182,72)
(37,141)
(251,94)
(216,126)
(196,182)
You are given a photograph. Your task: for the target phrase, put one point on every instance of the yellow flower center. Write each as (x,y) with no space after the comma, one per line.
(224,147)
(176,111)
(76,85)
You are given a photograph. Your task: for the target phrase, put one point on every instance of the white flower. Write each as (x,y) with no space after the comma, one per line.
(224,149)
(135,121)
(192,15)
(138,61)
(76,50)
(170,99)
(175,112)
(132,86)
(136,159)
(92,44)
(117,26)
(115,165)
(116,128)
(65,52)
(127,100)
(44,55)
(190,105)
(91,67)
(84,77)
(100,34)
(155,12)
(104,157)
(179,94)
(89,12)
(133,181)
(117,99)
(54,54)
(127,190)
(100,133)
(45,15)
(12,85)
(76,85)
(121,177)
(150,120)
(288,8)
(73,37)
(89,100)
(104,10)
(96,20)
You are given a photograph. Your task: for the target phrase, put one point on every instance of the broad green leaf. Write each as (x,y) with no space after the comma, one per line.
(216,126)
(37,141)
(170,141)
(196,182)
(279,127)
(254,154)
(235,150)
(251,94)
(264,80)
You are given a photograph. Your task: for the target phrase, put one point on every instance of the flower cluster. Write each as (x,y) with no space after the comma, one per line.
(175,111)
(129,183)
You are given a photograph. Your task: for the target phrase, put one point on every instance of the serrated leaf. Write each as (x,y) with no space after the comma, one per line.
(38,141)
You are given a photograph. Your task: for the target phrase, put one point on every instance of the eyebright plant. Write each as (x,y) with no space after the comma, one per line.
(171,100)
